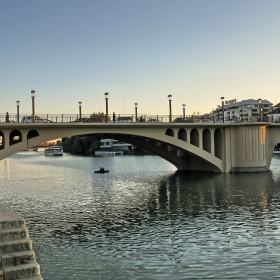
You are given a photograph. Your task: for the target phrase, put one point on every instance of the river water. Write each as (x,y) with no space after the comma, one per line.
(144,220)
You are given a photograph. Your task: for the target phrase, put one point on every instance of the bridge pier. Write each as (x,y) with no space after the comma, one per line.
(249,149)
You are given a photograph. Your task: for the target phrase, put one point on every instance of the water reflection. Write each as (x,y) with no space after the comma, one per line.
(177,197)
(145,224)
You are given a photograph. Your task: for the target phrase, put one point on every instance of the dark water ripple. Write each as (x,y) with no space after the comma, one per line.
(144,220)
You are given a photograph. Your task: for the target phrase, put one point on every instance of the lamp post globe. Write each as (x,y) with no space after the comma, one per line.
(106,99)
(184,111)
(223,109)
(170,109)
(18,105)
(136,106)
(80,110)
(33,104)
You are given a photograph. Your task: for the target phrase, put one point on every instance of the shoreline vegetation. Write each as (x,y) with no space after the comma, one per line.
(87,145)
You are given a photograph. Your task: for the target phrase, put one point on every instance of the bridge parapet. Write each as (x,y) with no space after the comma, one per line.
(100,117)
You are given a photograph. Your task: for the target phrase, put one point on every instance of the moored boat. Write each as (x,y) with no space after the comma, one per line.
(54,151)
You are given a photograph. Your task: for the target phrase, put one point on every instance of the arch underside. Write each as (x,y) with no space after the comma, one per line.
(181,158)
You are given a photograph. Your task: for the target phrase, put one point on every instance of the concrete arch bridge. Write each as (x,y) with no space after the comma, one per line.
(223,147)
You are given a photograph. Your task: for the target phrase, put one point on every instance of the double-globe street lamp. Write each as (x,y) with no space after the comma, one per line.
(170,110)
(136,106)
(80,111)
(18,104)
(33,104)
(106,99)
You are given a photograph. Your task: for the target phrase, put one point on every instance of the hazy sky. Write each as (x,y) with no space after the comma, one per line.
(138,51)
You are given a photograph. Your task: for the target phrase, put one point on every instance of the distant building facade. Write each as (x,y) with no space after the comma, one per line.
(111,147)
(245,110)
(51,142)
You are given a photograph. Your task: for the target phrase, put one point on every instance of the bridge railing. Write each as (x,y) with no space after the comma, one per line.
(68,118)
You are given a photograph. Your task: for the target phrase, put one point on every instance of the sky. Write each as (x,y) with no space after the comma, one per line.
(139,51)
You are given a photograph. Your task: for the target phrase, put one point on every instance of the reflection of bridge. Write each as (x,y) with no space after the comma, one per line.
(224,147)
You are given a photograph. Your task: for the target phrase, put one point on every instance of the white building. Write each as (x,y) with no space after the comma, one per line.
(245,110)
(111,147)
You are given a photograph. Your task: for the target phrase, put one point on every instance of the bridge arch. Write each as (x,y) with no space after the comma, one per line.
(2,142)
(218,143)
(169,132)
(206,140)
(182,134)
(32,133)
(182,154)
(15,137)
(194,137)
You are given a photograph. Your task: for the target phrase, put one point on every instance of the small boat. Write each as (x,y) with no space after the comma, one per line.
(101,170)
(54,151)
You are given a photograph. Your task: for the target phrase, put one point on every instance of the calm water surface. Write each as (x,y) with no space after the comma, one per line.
(144,220)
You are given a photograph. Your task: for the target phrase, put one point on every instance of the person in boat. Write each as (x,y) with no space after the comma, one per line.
(101,169)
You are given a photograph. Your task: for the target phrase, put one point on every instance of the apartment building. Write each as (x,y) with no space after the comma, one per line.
(245,110)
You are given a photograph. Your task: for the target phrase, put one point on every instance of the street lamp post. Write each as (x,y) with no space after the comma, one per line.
(18,104)
(33,104)
(213,115)
(260,108)
(184,111)
(106,98)
(170,110)
(223,109)
(136,106)
(80,110)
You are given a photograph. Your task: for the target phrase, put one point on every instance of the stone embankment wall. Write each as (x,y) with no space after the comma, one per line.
(17,259)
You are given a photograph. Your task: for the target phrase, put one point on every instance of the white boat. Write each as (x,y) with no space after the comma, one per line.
(102,153)
(54,151)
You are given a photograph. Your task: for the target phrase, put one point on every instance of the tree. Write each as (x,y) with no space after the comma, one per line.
(100,115)
(81,145)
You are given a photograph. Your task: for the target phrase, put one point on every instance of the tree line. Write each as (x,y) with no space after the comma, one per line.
(81,145)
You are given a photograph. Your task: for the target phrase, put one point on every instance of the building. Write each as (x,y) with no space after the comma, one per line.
(274,114)
(111,147)
(51,142)
(245,110)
